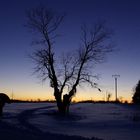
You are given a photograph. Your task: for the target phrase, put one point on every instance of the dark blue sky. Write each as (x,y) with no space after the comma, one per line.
(15,43)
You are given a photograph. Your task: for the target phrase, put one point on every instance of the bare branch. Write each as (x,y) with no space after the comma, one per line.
(93,50)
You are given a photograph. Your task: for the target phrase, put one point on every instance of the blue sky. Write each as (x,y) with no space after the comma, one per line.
(15,44)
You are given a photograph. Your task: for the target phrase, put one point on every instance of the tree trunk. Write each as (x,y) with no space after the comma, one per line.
(59,102)
(66,103)
(63,105)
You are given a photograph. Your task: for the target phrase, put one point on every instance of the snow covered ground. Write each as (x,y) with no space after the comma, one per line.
(40,121)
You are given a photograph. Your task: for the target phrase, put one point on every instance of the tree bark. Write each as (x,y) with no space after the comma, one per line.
(66,103)
(63,104)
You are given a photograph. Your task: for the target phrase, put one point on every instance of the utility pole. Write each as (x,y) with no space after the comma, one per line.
(115,77)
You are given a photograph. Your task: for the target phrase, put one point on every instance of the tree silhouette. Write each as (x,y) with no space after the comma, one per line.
(74,68)
(136,96)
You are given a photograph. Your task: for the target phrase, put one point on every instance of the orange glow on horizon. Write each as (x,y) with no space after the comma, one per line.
(43,94)
(75,99)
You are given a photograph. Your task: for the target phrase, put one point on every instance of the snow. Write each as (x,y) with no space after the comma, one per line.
(41,121)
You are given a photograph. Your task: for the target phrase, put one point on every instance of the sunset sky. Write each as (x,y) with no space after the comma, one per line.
(16,68)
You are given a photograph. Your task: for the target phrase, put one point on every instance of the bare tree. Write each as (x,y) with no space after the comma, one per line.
(74,68)
(108,97)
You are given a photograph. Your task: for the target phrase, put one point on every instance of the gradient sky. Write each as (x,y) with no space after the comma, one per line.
(16,68)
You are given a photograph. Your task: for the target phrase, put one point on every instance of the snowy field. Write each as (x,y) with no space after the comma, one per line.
(40,121)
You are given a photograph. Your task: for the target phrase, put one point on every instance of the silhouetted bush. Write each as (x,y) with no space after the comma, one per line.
(3,99)
(136,96)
